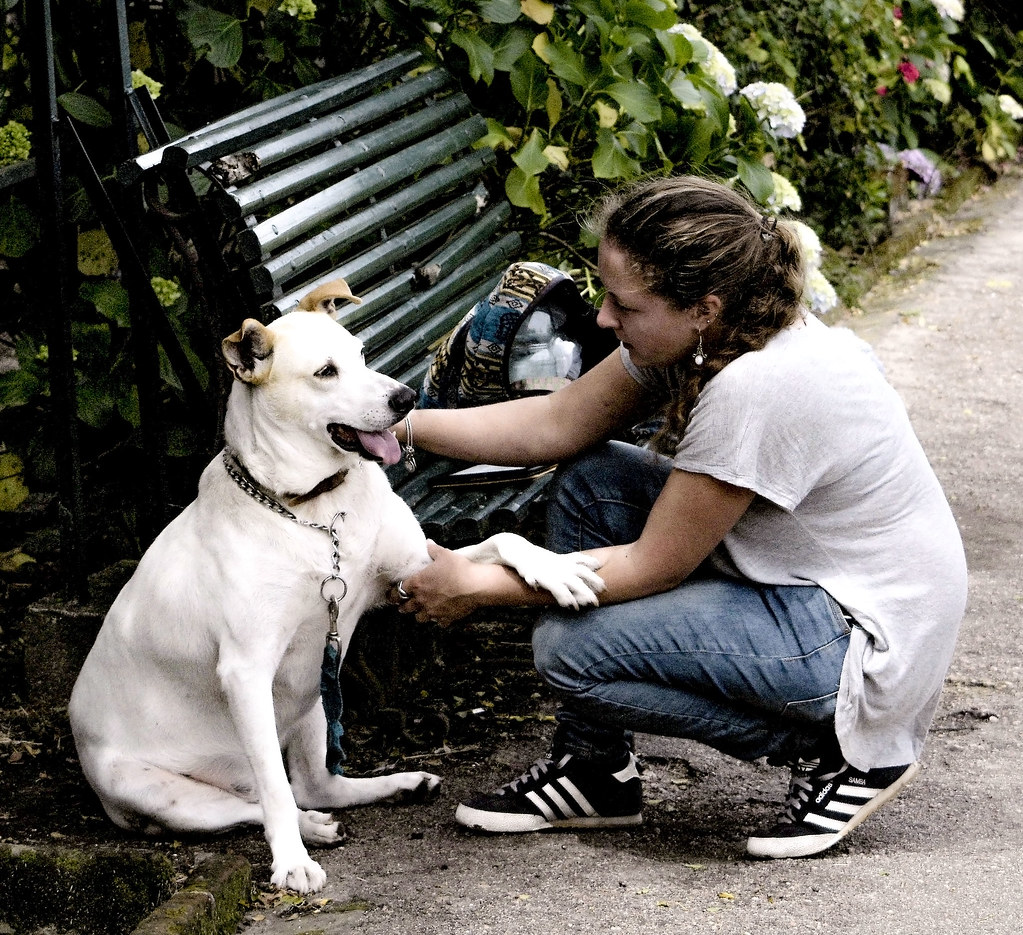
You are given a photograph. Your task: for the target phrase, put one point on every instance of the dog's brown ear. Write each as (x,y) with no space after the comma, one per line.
(323,298)
(249,352)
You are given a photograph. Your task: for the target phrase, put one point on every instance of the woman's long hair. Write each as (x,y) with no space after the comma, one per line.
(689,238)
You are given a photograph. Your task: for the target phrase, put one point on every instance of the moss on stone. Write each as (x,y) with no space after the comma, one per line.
(90,891)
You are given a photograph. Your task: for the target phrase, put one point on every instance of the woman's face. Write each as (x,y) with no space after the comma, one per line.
(655,332)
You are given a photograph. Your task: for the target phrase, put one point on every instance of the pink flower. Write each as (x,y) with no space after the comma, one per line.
(909,71)
(897,12)
(882,91)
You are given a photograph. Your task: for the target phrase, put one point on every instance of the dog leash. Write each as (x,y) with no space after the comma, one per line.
(333,590)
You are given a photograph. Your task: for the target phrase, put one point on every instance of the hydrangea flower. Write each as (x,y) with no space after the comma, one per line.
(810,243)
(167,290)
(715,64)
(14,144)
(784,195)
(950,9)
(917,162)
(776,107)
(140,79)
(304,10)
(1009,105)
(820,295)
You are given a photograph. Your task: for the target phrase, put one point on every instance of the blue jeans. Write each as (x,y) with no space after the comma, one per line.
(749,669)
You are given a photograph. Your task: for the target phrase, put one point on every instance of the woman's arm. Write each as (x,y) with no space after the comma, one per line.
(534,429)
(690,517)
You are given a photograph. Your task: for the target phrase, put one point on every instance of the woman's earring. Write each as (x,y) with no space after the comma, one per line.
(698,356)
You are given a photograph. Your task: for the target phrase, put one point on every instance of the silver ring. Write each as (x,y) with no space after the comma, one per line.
(403,595)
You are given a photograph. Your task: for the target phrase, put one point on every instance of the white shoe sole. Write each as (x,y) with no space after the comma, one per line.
(510,823)
(807,845)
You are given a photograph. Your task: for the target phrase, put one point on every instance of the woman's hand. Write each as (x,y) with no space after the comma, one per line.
(443,592)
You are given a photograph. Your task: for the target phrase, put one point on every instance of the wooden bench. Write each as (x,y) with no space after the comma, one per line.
(371,176)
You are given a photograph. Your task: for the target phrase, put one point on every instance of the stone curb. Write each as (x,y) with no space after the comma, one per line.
(99,890)
(211,902)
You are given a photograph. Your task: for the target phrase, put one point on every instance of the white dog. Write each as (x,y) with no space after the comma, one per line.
(198,708)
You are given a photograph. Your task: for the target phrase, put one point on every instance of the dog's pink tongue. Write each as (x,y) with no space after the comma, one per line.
(382,445)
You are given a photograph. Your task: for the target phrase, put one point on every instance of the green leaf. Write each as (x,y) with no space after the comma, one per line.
(531,158)
(12,487)
(497,137)
(567,64)
(11,561)
(96,255)
(85,109)
(128,407)
(939,89)
(610,160)
(686,93)
(500,11)
(756,177)
(699,140)
(528,80)
(634,40)
(110,299)
(513,45)
(216,35)
(96,405)
(657,14)
(18,388)
(523,191)
(677,48)
(273,49)
(481,55)
(19,228)
(637,99)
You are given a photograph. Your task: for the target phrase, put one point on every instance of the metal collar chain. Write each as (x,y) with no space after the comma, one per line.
(243,479)
(333,588)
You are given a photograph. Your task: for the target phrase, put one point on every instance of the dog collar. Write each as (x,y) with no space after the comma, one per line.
(240,475)
(324,486)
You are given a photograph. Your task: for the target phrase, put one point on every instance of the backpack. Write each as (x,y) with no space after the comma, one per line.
(533,333)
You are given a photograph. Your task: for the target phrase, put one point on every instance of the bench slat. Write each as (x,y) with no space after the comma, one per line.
(322,130)
(257,242)
(473,278)
(364,149)
(363,81)
(454,252)
(288,110)
(273,274)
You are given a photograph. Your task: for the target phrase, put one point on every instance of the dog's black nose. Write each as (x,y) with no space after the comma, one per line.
(403,400)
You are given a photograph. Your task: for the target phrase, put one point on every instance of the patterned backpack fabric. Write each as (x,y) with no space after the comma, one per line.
(525,338)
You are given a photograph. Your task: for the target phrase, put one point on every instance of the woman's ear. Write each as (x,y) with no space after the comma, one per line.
(707,310)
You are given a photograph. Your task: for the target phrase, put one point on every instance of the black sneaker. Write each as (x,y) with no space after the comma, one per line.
(825,802)
(568,793)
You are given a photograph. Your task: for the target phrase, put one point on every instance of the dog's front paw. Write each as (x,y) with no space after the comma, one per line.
(571,578)
(413,787)
(319,829)
(300,876)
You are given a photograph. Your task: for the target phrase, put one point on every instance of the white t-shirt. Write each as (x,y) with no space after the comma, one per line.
(845,500)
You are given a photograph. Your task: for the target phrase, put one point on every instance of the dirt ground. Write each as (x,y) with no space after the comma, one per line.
(944,856)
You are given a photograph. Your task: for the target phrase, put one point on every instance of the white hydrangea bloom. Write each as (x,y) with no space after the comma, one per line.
(811,244)
(721,70)
(1009,105)
(952,9)
(715,63)
(784,195)
(777,107)
(820,295)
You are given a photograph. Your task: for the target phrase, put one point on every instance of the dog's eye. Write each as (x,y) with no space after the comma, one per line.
(328,370)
